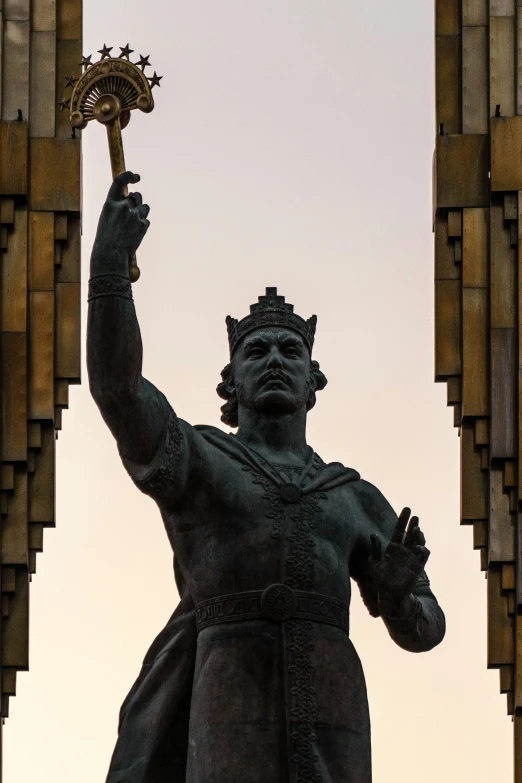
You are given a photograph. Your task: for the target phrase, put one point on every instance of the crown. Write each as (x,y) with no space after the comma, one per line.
(271,310)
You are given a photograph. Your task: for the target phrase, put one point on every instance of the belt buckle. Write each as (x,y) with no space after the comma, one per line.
(278,602)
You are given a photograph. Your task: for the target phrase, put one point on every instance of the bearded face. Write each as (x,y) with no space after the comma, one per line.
(271,372)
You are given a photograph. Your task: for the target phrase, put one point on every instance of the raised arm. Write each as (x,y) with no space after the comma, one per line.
(134,410)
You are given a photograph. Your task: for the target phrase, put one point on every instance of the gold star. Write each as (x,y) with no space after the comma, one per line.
(105,51)
(125,51)
(155,80)
(143,61)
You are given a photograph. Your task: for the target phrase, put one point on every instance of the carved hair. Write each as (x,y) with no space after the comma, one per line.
(229,411)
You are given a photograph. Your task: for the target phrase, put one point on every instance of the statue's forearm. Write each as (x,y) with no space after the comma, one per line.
(417,625)
(130,405)
(114,348)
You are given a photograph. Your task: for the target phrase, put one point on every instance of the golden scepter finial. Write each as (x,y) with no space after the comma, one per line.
(108,91)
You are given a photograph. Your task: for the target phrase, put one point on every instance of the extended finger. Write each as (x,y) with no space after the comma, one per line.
(400,527)
(422,554)
(419,537)
(376,548)
(136,199)
(409,539)
(117,189)
(143,210)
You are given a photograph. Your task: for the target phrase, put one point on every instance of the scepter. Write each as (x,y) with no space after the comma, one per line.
(108,91)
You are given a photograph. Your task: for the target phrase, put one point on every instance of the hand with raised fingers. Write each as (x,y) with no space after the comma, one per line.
(123,224)
(396,571)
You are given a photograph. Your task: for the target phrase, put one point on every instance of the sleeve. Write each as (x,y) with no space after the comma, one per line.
(418,624)
(166,476)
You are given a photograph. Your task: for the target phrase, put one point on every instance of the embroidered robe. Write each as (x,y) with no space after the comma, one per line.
(251,701)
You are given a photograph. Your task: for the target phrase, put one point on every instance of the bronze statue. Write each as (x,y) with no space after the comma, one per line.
(254,678)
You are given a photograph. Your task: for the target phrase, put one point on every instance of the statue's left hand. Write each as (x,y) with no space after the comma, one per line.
(396,571)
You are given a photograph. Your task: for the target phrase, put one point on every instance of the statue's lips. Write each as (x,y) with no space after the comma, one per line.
(274,381)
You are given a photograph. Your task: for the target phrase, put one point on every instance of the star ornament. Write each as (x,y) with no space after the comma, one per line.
(105,51)
(143,61)
(155,80)
(126,51)
(64,104)
(86,61)
(70,81)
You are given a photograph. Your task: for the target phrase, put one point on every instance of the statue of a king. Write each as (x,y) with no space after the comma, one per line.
(254,678)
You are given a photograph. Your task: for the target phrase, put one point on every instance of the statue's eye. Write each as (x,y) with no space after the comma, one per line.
(255,353)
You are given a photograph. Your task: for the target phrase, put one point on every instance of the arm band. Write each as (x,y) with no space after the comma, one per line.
(109,285)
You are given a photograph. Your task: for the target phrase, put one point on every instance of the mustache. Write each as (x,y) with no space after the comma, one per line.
(274,375)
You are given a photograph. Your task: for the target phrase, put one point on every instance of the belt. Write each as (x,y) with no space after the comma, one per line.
(278,603)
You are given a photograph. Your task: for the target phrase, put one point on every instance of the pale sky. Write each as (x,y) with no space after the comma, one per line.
(291,145)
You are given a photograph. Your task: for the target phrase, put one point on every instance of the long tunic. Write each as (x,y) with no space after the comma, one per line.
(255,700)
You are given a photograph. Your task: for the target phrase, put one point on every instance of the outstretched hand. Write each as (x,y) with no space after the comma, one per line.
(396,571)
(123,221)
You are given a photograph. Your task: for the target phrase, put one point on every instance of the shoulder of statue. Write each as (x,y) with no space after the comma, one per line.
(325,477)
(211,434)
(375,506)
(349,474)
(208,429)
(224,441)
(367,490)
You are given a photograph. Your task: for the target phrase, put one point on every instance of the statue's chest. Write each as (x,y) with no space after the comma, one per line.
(245,532)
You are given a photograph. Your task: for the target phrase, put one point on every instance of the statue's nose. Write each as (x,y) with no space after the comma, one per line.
(274,360)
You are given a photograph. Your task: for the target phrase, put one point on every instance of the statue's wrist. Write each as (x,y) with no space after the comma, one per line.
(393,606)
(109,260)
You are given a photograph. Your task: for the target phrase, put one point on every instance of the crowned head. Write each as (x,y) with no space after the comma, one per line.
(271,367)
